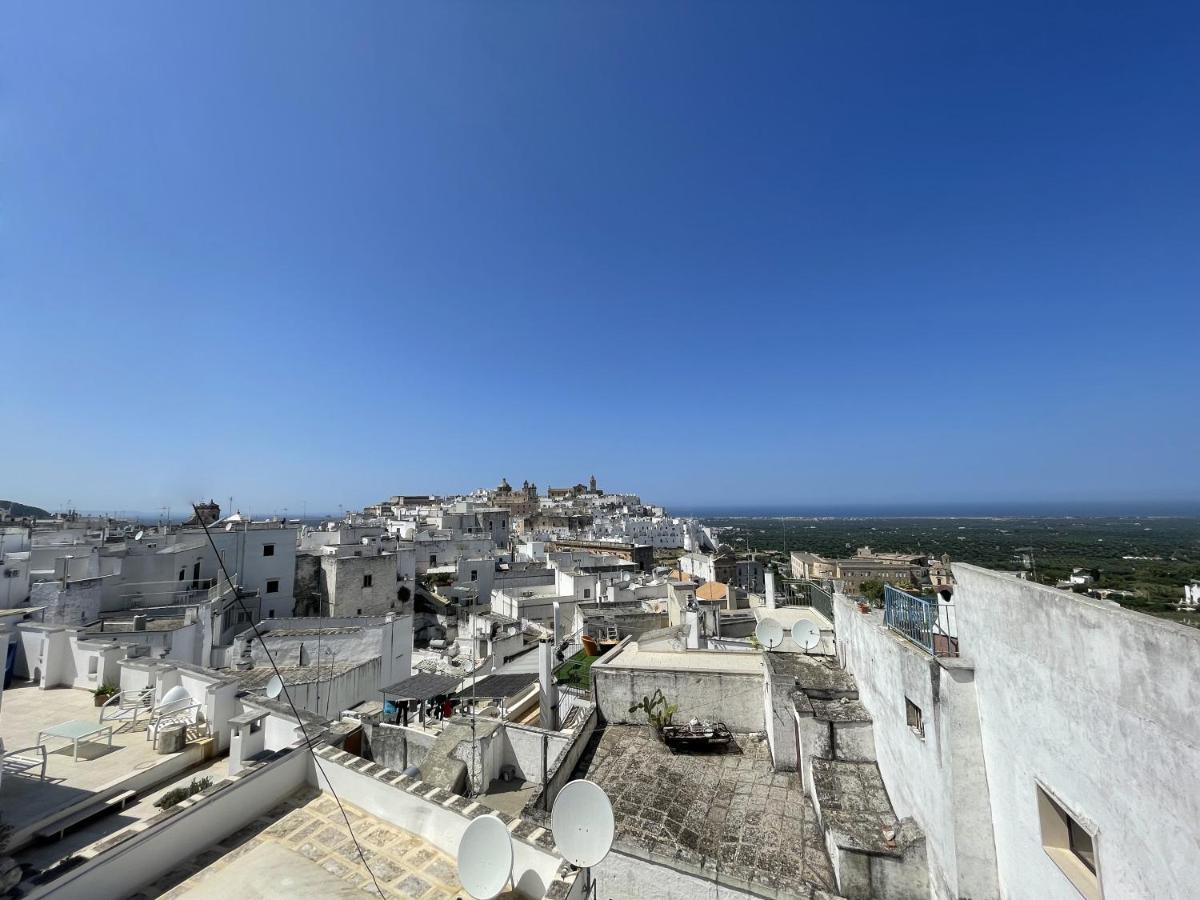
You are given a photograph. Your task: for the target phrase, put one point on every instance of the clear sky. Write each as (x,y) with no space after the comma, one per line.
(713,252)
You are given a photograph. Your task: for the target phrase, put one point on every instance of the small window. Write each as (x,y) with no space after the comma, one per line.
(358,613)
(912,713)
(587,592)
(273,586)
(271,614)
(367,579)
(1070,843)
(268,549)
(474,575)
(433,559)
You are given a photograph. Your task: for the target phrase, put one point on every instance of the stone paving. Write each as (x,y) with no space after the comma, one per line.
(309,823)
(728,815)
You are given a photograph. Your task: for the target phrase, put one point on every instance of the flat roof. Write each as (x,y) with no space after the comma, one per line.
(725,816)
(279,854)
(631,657)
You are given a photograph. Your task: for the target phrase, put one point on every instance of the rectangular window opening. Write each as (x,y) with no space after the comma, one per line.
(367,579)
(912,713)
(1070,844)
(273,586)
(268,549)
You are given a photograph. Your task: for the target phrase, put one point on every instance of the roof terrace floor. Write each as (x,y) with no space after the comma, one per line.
(308,829)
(26,799)
(728,815)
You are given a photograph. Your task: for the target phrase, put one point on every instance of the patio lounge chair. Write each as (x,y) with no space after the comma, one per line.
(21,761)
(127,707)
(175,709)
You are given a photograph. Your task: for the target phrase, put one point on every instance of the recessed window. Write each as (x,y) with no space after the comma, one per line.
(1070,843)
(273,586)
(367,579)
(268,549)
(587,592)
(474,575)
(912,714)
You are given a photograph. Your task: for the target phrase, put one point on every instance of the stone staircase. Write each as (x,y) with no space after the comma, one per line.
(874,853)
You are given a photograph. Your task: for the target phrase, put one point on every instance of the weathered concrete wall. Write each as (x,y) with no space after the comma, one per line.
(77,603)
(1100,705)
(397,747)
(733,698)
(628,875)
(936,779)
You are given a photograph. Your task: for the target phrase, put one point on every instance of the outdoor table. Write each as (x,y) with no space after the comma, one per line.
(75,732)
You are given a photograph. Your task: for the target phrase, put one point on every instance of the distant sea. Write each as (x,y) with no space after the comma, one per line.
(1048,509)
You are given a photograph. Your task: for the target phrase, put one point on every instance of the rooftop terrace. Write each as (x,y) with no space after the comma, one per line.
(26,799)
(303,847)
(724,816)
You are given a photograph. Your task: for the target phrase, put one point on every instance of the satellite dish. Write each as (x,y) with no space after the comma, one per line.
(769,633)
(806,634)
(138,536)
(274,687)
(174,695)
(582,823)
(485,857)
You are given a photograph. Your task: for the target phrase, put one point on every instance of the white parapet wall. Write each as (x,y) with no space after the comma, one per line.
(936,776)
(1100,706)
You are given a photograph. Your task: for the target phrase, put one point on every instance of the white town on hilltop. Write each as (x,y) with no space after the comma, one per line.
(276,707)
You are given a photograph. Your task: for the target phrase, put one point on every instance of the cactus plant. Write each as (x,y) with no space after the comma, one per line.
(658,711)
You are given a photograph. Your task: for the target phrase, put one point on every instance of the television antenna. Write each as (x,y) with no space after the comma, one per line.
(583,826)
(485,857)
(769,633)
(274,687)
(806,634)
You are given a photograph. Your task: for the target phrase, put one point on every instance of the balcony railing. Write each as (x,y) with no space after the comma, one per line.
(927,623)
(808,593)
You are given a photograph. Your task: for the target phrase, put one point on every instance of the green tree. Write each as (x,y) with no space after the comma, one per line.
(872,589)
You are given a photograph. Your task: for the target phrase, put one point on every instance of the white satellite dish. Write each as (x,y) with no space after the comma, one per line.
(274,687)
(806,634)
(138,536)
(769,633)
(583,824)
(485,857)
(174,695)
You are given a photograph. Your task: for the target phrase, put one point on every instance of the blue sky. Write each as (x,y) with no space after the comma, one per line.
(713,252)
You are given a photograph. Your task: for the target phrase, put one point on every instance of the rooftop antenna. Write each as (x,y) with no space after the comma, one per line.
(806,634)
(769,634)
(485,857)
(583,827)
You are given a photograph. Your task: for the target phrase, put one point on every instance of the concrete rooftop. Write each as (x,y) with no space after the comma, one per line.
(687,660)
(306,835)
(25,711)
(725,816)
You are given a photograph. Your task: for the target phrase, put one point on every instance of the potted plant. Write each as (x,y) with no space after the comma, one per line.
(104,692)
(658,711)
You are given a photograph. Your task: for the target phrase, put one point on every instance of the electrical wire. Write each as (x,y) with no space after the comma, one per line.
(237,594)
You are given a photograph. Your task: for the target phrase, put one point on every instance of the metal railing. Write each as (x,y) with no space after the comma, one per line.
(808,593)
(927,623)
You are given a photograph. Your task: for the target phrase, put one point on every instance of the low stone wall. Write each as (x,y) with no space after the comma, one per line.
(397,747)
(734,698)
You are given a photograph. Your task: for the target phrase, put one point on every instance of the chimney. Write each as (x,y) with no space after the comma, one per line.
(770,587)
(557,623)
(139,623)
(549,690)
(612,593)
(692,623)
